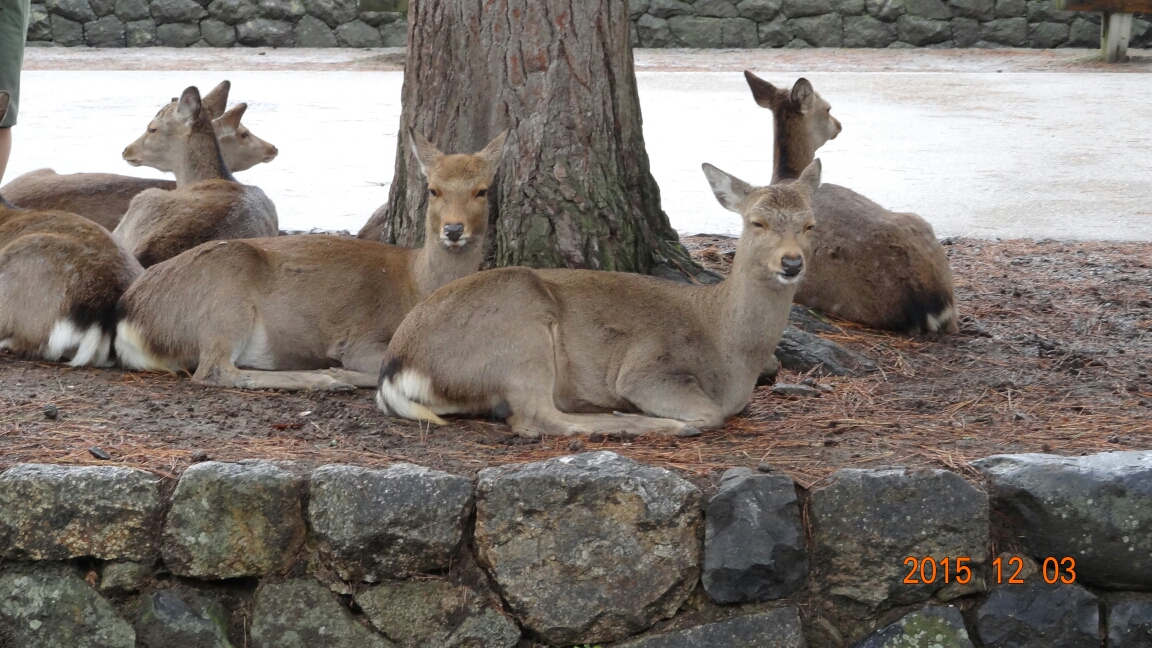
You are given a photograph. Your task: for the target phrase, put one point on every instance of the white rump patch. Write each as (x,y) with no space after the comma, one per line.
(89,346)
(403,395)
(940,321)
(133,353)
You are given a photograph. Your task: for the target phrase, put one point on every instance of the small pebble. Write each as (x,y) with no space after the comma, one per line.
(99,453)
(794,391)
(824,387)
(1019,416)
(51,411)
(1045,447)
(199,456)
(595,437)
(765,467)
(575,445)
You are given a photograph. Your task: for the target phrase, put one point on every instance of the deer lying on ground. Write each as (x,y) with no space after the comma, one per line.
(869,265)
(60,278)
(286,308)
(208,204)
(104,197)
(563,352)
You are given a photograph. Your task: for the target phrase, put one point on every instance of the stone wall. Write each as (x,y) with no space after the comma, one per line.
(656,23)
(589,549)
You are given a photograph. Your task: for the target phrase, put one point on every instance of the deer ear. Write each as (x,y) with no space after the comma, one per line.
(494,152)
(809,180)
(4,99)
(216,101)
(426,152)
(231,119)
(763,92)
(804,95)
(729,190)
(189,107)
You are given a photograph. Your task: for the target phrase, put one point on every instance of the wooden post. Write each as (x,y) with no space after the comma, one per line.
(1115,28)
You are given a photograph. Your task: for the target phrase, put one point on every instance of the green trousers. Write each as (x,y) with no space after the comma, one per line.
(13,31)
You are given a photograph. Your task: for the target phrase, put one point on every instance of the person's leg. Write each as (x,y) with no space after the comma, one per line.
(5,150)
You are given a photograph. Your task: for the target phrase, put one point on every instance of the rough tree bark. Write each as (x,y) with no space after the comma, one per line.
(575,189)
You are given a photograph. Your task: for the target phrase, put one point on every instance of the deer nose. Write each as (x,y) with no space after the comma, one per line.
(792,265)
(454,231)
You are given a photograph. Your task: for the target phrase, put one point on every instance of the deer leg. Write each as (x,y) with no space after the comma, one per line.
(673,396)
(361,366)
(216,368)
(358,379)
(556,423)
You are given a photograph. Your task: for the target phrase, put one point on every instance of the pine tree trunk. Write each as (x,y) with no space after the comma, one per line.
(575,189)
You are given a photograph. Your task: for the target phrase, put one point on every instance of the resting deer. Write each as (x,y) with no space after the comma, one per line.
(564,351)
(208,204)
(869,265)
(286,307)
(60,278)
(104,197)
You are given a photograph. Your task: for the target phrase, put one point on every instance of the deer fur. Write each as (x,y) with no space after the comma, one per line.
(208,204)
(286,308)
(567,352)
(104,197)
(60,278)
(869,265)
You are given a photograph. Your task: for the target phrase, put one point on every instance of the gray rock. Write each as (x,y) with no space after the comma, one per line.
(1141,33)
(105,32)
(140,33)
(130,10)
(378,18)
(739,32)
(1096,509)
(166,620)
(938,627)
(358,34)
(177,11)
(102,7)
(48,606)
(394,34)
(759,10)
(1047,35)
(55,512)
(886,10)
(922,31)
(75,10)
(289,10)
(653,32)
(589,548)
(393,522)
(777,33)
(866,31)
(262,32)
(820,31)
(1037,615)
(1129,621)
(1082,33)
(123,577)
(234,519)
(1011,9)
(965,32)
(715,8)
(39,24)
(795,391)
(302,613)
(1012,32)
(436,613)
(804,352)
(232,12)
(933,9)
(976,9)
(778,628)
(177,35)
(637,8)
(849,7)
(754,541)
(333,12)
(218,34)
(866,522)
(313,32)
(798,43)
(669,8)
(66,32)
(694,31)
(805,8)
(1043,11)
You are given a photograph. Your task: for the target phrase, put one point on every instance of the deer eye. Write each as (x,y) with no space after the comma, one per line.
(758,224)
(434,193)
(482,193)
(809,227)
(151,130)
(243,135)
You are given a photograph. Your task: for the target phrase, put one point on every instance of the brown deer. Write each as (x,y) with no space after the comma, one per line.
(60,278)
(286,308)
(869,265)
(208,204)
(104,197)
(564,352)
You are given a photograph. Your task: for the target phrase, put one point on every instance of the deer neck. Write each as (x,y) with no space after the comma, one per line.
(202,159)
(793,150)
(435,265)
(748,307)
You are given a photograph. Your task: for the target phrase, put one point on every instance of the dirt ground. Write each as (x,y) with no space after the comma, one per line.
(1054,355)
